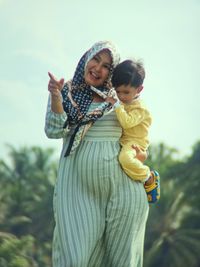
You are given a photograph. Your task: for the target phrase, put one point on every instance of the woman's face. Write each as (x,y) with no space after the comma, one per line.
(98,69)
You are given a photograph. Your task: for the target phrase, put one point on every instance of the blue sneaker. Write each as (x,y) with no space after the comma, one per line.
(153,190)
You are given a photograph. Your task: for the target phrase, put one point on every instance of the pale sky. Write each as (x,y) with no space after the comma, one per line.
(51,35)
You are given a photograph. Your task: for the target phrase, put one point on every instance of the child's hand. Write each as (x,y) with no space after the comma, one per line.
(111,100)
(55,86)
(112,97)
(140,154)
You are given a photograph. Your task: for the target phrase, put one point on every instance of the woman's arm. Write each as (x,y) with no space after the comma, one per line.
(55,115)
(54,122)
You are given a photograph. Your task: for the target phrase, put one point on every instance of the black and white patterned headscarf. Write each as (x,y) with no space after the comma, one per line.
(77,95)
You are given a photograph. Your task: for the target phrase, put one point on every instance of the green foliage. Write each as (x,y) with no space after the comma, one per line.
(26,216)
(26,201)
(173,230)
(15,252)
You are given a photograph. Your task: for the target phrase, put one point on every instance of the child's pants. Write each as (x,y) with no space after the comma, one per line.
(133,167)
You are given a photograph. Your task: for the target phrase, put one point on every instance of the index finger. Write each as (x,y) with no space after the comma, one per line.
(52,76)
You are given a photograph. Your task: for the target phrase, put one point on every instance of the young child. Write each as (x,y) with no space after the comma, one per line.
(135,120)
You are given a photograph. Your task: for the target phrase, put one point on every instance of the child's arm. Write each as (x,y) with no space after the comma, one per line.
(130,119)
(127,119)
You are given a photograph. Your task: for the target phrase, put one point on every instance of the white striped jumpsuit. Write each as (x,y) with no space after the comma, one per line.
(100,213)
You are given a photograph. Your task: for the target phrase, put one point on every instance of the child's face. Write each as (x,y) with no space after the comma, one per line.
(127,93)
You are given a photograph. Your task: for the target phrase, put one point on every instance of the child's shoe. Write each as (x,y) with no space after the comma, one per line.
(153,190)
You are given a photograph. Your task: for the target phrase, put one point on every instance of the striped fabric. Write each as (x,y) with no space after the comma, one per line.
(100,213)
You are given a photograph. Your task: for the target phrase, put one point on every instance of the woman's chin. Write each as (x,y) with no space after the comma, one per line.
(93,83)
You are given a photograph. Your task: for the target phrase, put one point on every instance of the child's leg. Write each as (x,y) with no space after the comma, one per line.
(133,167)
(136,170)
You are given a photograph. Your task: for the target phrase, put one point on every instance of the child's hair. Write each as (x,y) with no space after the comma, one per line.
(128,72)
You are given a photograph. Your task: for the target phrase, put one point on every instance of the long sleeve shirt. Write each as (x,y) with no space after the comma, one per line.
(135,120)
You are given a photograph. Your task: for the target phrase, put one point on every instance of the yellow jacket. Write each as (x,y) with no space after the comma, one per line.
(135,120)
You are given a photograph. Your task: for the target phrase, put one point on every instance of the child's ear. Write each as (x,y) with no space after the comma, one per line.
(140,88)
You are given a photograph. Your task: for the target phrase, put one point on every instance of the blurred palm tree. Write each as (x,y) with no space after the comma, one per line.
(173,229)
(15,252)
(26,216)
(26,201)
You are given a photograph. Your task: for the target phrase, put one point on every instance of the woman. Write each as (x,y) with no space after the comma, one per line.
(100,213)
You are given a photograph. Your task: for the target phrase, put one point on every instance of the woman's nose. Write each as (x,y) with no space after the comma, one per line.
(98,67)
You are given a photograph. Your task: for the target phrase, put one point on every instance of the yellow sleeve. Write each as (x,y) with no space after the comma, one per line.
(130,119)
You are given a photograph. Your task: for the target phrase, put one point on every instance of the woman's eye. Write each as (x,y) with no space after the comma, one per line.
(107,67)
(96,58)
